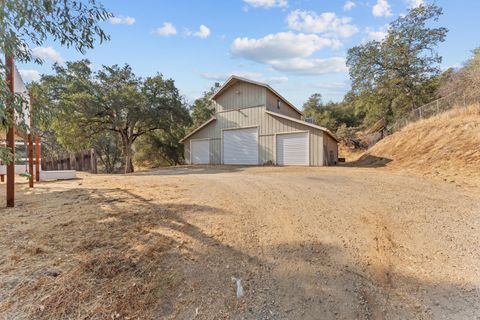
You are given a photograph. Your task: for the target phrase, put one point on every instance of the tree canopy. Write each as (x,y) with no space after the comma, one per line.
(85,106)
(202,109)
(23,24)
(390,77)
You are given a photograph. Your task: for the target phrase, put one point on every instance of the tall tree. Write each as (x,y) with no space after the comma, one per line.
(313,105)
(203,108)
(86,105)
(465,82)
(392,70)
(72,23)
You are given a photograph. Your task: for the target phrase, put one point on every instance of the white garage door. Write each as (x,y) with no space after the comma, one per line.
(200,150)
(240,146)
(293,149)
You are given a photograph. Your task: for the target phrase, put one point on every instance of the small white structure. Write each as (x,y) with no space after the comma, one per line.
(44,175)
(58,175)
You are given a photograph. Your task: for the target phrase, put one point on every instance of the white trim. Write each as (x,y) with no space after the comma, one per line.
(239,128)
(294,132)
(200,139)
(302,122)
(288,132)
(234,77)
(242,108)
(196,130)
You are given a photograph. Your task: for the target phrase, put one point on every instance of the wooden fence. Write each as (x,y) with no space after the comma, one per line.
(81,161)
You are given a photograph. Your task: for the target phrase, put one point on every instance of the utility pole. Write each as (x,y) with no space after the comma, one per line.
(10,132)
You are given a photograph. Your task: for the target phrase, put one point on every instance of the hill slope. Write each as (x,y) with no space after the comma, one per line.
(446,146)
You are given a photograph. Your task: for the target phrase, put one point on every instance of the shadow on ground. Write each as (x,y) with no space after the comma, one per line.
(191,169)
(109,253)
(368,161)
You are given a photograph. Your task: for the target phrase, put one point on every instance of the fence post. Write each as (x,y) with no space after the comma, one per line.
(93,161)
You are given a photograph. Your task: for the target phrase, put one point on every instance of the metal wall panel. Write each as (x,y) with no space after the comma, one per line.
(268,126)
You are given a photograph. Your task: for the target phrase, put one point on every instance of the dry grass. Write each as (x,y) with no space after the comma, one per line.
(164,244)
(446,146)
(88,255)
(350,154)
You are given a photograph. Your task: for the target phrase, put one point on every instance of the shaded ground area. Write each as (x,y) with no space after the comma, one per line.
(307,243)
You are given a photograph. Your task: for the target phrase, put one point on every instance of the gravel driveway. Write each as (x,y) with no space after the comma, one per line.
(334,243)
(307,243)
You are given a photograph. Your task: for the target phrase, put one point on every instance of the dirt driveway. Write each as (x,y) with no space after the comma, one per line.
(307,243)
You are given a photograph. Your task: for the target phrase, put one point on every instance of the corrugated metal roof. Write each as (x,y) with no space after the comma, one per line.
(232,80)
(198,129)
(302,122)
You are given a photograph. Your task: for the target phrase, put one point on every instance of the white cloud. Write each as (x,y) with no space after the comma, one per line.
(290,52)
(382,9)
(29,75)
(313,66)
(215,76)
(203,32)
(330,87)
(280,46)
(375,34)
(122,20)
(47,53)
(415,3)
(266,3)
(166,30)
(349,5)
(256,76)
(326,22)
(276,80)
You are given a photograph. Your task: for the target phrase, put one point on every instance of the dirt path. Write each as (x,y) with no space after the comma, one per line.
(307,243)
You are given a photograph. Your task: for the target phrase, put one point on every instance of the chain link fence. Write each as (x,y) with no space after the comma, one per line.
(431,109)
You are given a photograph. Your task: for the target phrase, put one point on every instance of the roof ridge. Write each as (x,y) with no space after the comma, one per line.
(266,85)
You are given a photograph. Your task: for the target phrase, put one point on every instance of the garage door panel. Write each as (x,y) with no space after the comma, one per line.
(293,149)
(240,146)
(200,151)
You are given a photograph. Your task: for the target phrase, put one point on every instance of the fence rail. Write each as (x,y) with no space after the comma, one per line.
(81,161)
(431,109)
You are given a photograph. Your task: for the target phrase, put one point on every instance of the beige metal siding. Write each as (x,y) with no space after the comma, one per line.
(241,95)
(284,108)
(330,145)
(244,105)
(204,133)
(268,127)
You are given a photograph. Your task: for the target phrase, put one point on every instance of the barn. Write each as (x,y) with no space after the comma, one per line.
(254,125)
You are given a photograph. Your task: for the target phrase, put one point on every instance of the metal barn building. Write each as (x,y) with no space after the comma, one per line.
(254,125)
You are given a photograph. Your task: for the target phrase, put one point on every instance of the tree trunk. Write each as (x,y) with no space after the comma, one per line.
(128,157)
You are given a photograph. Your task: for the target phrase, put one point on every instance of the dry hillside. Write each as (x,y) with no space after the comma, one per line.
(446,146)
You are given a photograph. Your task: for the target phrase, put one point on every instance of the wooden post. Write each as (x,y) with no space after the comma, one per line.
(37,158)
(30,147)
(10,134)
(93,161)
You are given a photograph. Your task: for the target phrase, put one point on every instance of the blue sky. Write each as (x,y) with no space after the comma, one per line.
(297,46)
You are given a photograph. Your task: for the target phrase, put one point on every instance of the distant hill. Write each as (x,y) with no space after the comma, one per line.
(446,146)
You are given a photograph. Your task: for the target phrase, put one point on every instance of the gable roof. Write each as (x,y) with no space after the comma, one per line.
(235,79)
(302,122)
(198,129)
